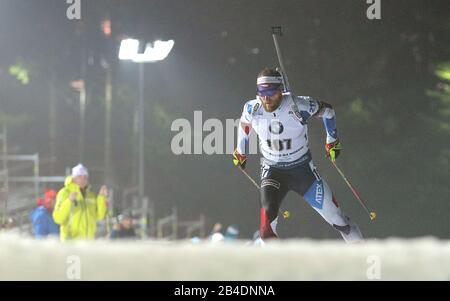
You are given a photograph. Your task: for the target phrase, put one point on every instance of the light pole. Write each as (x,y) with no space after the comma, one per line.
(154,52)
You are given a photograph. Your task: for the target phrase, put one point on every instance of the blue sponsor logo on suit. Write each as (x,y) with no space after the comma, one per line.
(315,194)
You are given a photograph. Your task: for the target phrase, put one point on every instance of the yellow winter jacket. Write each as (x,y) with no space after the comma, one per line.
(78,220)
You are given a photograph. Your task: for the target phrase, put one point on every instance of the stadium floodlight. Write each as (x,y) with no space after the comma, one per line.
(158,52)
(128,49)
(153,53)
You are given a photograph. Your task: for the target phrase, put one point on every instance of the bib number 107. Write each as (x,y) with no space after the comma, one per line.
(279,145)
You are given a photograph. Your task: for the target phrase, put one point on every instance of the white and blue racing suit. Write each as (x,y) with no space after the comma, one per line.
(287,163)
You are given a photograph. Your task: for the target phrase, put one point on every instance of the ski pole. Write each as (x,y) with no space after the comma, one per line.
(286,214)
(372,214)
(249,177)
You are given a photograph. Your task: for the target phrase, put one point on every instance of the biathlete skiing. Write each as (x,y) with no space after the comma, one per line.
(281,122)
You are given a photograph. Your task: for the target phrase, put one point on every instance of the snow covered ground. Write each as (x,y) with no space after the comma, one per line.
(23,258)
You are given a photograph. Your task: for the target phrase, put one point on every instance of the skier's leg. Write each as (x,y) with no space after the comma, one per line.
(320,197)
(273,190)
(331,212)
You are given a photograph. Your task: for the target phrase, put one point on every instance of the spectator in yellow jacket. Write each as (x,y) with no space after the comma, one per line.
(78,208)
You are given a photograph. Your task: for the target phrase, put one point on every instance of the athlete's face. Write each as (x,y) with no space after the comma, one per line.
(271,102)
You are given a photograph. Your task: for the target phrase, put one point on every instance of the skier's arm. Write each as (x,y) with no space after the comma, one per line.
(244,130)
(240,153)
(333,146)
(243,137)
(328,115)
(320,109)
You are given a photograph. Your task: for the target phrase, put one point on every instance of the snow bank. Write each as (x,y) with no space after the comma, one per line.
(392,259)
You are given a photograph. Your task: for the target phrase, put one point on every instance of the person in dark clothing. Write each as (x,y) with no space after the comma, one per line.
(124,228)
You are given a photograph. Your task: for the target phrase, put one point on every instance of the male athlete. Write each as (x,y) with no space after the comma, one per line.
(280,121)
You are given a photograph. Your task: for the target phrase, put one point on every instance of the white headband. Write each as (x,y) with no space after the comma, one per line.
(269,80)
